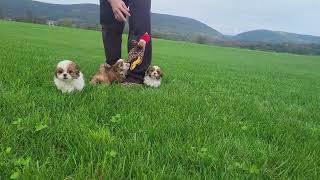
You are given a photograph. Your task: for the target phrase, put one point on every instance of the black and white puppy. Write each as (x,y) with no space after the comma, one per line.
(153,77)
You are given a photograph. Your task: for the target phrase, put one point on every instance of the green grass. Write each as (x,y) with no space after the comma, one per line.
(221,113)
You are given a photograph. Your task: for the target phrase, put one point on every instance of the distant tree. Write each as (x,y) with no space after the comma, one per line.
(94,27)
(29,16)
(40,20)
(200,39)
(1,13)
(156,34)
(65,22)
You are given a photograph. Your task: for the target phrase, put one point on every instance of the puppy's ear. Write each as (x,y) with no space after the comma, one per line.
(74,70)
(108,66)
(120,64)
(58,71)
(77,69)
(148,70)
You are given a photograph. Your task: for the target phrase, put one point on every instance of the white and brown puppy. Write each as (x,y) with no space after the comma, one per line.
(108,74)
(68,77)
(153,77)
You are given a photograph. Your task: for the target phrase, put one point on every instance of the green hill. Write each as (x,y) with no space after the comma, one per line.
(276,37)
(167,25)
(221,113)
(185,28)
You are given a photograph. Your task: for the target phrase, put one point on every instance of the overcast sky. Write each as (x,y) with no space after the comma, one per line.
(235,16)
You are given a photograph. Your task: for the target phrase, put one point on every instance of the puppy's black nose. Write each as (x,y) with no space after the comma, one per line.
(64,75)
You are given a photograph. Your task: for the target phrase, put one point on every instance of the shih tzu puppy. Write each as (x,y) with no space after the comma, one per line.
(68,77)
(153,77)
(108,74)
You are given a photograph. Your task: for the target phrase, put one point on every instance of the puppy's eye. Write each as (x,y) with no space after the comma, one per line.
(158,72)
(60,72)
(70,72)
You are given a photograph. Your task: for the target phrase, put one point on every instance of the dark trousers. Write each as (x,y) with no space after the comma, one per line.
(139,23)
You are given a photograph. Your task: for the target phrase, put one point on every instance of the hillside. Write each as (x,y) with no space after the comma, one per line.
(167,26)
(86,16)
(181,27)
(276,37)
(221,113)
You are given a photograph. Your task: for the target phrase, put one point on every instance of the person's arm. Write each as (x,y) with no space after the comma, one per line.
(120,10)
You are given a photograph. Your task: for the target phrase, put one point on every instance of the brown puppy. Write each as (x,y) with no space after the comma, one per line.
(108,74)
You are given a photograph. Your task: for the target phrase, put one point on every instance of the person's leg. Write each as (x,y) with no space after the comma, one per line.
(111,32)
(140,23)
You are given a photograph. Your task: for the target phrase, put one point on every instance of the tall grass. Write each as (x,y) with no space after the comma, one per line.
(221,113)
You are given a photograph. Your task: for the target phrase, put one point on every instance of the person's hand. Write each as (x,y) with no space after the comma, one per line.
(120,10)
(142,43)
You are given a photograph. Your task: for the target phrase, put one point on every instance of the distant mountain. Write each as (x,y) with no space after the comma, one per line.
(79,12)
(276,37)
(186,27)
(164,26)
(180,27)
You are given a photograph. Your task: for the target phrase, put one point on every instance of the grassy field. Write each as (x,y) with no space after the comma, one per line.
(221,113)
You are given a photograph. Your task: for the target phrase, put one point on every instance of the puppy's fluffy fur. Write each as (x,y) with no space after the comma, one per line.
(153,77)
(68,77)
(108,74)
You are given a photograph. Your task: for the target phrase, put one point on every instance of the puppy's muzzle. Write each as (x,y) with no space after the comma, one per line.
(65,76)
